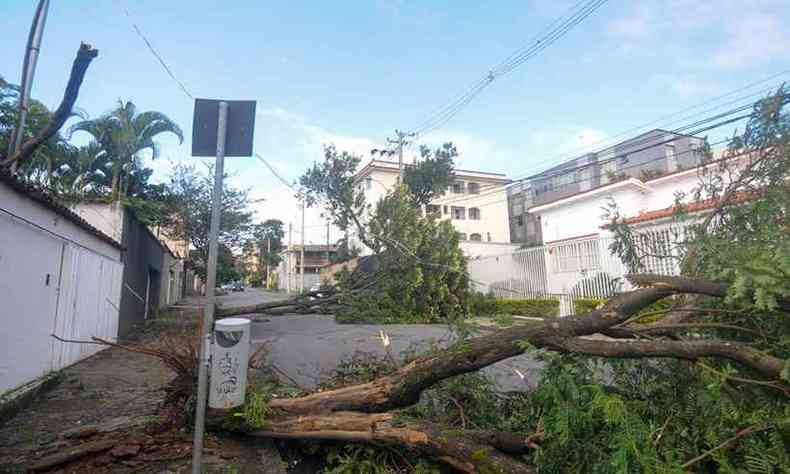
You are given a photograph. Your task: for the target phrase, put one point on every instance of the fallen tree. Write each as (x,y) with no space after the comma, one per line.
(711,394)
(368,412)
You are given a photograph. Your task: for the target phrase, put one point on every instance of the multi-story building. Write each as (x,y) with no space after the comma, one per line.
(289,269)
(475,203)
(649,155)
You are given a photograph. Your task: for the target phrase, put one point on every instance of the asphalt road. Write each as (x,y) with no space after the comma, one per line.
(308,347)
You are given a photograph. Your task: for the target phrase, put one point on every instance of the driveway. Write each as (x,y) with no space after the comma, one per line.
(309,347)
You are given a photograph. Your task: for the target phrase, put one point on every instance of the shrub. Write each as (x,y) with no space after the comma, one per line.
(537,308)
(485,305)
(586,305)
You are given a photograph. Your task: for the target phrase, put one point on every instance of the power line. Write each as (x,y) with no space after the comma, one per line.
(497,188)
(275,173)
(508,65)
(157,55)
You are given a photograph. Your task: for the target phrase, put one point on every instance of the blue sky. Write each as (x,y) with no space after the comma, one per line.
(352,72)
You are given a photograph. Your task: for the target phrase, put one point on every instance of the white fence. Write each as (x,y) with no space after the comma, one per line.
(583,268)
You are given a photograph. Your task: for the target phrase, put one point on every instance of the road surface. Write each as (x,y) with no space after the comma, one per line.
(309,347)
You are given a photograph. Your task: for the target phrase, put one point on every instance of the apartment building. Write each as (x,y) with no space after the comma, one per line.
(475,203)
(315,257)
(649,155)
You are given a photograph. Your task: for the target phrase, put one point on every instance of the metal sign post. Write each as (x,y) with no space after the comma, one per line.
(234,122)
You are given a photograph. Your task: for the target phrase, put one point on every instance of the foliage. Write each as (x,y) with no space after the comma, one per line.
(346,251)
(268,237)
(331,183)
(189,209)
(430,177)
(361,367)
(649,418)
(536,307)
(421,273)
(466,401)
(586,305)
(123,134)
(356,459)
(44,167)
(255,409)
(654,416)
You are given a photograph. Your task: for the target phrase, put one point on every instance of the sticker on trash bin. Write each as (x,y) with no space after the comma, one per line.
(229,358)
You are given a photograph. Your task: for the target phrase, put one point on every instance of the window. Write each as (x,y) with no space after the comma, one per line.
(520,221)
(432,209)
(473,188)
(461,236)
(368,182)
(458,188)
(476,238)
(445,210)
(458,212)
(474,213)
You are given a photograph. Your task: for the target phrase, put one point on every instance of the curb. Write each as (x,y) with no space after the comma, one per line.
(14,401)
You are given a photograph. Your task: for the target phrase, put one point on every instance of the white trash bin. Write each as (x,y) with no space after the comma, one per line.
(230,354)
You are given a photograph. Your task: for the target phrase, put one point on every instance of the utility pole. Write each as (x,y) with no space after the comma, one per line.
(268,256)
(327,241)
(301,258)
(28,71)
(288,256)
(211,282)
(399,141)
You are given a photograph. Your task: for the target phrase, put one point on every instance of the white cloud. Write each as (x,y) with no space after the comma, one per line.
(634,26)
(752,39)
(684,85)
(683,30)
(474,152)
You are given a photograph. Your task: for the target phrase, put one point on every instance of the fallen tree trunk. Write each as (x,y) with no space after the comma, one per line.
(465,450)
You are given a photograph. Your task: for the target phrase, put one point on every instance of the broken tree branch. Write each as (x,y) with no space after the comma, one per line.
(725,444)
(758,361)
(85,55)
(455,448)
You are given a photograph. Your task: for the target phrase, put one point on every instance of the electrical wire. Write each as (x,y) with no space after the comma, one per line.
(275,173)
(156,54)
(621,156)
(516,59)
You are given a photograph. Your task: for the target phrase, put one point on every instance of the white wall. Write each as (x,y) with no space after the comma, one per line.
(493,213)
(584,214)
(491,202)
(55,277)
(485,249)
(108,218)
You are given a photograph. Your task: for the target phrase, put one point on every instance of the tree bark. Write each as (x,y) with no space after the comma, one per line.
(467,451)
(85,55)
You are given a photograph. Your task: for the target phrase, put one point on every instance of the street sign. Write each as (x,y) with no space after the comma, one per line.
(241,125)
(220,128)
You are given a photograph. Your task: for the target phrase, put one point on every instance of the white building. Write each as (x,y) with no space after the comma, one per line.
(58,275)
(581,215)
(476,204)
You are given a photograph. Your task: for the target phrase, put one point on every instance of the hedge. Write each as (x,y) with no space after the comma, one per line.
(537,307)
(586,305)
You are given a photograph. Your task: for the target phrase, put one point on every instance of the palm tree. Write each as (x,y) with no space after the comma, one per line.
(124,134)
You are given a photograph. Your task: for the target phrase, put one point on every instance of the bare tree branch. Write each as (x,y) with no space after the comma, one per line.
(758,361)
(85,55)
